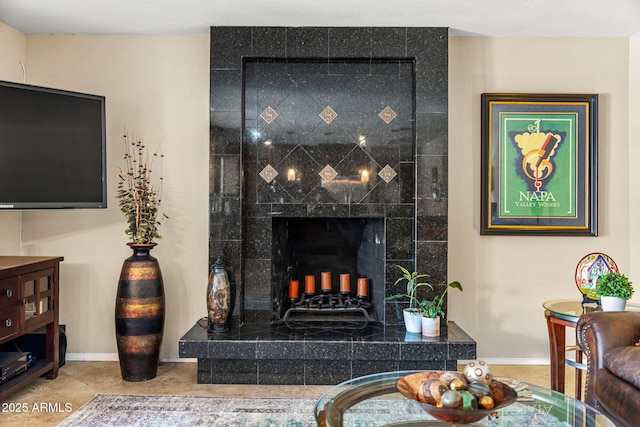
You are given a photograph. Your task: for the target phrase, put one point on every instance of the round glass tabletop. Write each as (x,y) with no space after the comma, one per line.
(571,309)
(373,401)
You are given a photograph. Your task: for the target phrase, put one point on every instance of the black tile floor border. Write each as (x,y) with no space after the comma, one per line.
(307,354)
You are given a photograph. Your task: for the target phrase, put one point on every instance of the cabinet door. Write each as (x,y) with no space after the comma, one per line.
(37,297)
(9,292)
(9,307)
(9,321)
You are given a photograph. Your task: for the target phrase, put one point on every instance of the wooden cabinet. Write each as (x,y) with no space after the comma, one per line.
(29,289)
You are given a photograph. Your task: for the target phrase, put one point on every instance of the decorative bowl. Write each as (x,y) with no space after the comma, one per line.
(503,396)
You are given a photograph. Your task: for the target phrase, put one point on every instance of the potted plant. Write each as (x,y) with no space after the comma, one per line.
(412,314)
(432,311)
(140,302)
(614,290)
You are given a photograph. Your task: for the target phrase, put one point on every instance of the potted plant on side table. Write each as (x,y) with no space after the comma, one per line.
(614,290)
(432,311)
(413,314)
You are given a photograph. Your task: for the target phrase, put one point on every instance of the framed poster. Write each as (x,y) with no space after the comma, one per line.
(539,164)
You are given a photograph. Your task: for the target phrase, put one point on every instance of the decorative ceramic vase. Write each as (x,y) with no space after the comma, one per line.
(430,326)
(218,297)
(612,303)
(139,314)
(412,321)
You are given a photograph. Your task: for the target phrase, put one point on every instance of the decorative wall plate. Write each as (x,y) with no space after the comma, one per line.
(589,270)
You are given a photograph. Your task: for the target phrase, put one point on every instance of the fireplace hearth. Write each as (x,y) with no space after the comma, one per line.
(308,353)
(328,154)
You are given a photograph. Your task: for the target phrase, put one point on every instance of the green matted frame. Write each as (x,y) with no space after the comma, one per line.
(539,164)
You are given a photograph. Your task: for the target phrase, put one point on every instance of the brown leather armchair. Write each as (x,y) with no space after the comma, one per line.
(613,363)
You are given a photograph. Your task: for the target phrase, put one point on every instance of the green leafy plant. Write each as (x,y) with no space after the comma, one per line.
(433,308)
(413,283)
(614,285)
(139,196)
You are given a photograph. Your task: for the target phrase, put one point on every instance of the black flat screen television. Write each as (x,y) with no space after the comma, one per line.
(52,148)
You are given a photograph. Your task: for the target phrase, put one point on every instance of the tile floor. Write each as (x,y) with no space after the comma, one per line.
(47,402)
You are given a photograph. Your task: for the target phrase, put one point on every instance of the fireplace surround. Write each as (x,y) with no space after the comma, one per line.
(324,129)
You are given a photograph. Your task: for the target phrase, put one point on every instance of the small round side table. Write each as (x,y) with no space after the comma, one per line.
(561,314)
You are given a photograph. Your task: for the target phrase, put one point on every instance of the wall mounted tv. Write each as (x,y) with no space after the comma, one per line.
(52,148)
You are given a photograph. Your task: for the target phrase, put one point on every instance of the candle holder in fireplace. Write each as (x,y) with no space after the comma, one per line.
(329,306)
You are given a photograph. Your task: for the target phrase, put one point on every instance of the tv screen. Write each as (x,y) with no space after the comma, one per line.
(52,148)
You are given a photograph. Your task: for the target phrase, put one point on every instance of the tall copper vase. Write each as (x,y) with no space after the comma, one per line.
(140,314)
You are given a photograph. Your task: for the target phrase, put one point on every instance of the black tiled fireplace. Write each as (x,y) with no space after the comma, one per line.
(328,154)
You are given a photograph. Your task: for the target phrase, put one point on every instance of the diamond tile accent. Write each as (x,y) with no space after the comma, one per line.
(328,173)
(387,174)
(269,114)
(387,114)
(328,114)
(268,173)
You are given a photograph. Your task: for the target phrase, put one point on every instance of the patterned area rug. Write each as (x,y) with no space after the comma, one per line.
(123,410)
(107,410)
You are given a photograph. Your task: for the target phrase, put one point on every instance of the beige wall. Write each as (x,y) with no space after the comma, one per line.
(507,278)
(158,86)
(12,52)
(634,171)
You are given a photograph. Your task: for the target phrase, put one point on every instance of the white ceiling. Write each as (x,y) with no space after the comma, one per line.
(553,18)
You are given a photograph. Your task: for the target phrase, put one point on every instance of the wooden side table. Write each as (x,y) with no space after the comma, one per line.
(561,314)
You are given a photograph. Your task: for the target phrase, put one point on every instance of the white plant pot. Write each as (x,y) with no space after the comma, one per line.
(412,321)
(430,326)
(612,303)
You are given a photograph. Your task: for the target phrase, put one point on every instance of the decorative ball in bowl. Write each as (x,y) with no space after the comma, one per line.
(448,396)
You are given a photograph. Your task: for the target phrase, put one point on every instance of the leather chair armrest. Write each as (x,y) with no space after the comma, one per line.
(598,332)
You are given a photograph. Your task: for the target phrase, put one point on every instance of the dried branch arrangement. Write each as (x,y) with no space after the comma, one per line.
(139,197)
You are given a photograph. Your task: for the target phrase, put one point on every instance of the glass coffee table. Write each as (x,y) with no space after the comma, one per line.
(373,401)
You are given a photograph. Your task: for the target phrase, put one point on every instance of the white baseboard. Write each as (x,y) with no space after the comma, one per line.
(92,357)
(109,357)
(510,361)
(113,357)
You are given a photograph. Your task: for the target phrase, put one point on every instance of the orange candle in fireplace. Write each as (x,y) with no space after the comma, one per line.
(310,284)
(325,280)
(294,289)
(345,283)
(362,287)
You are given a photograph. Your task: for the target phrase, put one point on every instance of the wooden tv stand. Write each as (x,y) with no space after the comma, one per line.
(29,287)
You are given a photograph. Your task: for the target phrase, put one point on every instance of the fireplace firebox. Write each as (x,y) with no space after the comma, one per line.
(340,259)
